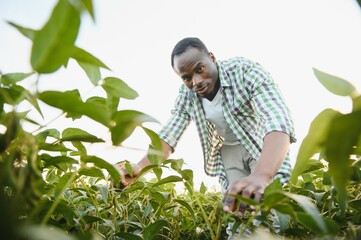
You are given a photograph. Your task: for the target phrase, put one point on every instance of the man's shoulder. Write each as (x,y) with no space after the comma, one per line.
(235,62)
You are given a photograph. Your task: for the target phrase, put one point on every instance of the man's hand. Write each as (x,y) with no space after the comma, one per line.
(125,177)
(252,187)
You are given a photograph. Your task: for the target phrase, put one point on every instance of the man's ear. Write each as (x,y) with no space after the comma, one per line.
(213,58)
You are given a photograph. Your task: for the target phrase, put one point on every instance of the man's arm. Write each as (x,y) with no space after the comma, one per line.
(126,179)
(275,148)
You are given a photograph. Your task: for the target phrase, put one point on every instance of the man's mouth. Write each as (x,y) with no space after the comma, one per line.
(202,89)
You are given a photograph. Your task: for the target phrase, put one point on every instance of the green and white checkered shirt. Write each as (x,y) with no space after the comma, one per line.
(253,107)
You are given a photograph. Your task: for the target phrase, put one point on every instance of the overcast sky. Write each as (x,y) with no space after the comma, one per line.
(135,39)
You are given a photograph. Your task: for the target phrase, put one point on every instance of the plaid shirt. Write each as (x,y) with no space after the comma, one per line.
(252,105)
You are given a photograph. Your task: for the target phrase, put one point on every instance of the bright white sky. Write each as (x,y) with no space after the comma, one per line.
(135,39)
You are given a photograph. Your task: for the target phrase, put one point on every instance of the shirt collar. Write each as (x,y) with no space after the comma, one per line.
(223,78)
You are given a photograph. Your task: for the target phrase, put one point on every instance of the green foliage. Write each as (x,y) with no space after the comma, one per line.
(51,188)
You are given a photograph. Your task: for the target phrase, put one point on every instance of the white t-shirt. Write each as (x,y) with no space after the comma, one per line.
(214,114)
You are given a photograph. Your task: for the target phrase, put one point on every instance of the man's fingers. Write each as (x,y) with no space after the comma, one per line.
(258,196)
(229,201)
(244,188)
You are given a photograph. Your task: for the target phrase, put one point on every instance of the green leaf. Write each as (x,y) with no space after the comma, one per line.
(66,211)
(187,174)
(42,136)
(64,182)
(356,103)
(118,88)
(76,134)
(148,168)
(129,169)
(345,131)
(158,171)
(203,188)
(93,72)
(53,147)
(103,189)
(13,95)
(71,102)
(284,220)
(100,163)
(34,101)
(54,43)
(310,209)
(355,204)
(168,179)
(187,206)
(81,148)
(89,6)
(91,172)
(11,78)
(27,32)
(274,186)
(176,164)
(54,161)
(155,153)
(285,209)
(92,219)
(153,229)
(127,236)
(83,56)
(312,143)
(310,223)
(125,123)
(335,84)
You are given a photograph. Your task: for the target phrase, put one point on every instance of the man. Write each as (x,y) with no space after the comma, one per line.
(243,123)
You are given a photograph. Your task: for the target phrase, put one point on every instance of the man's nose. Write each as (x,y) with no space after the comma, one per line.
(196,80)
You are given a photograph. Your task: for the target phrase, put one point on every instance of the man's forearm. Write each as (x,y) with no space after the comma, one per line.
(275,148)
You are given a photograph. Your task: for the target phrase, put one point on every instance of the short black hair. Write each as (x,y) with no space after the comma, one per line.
(184,44)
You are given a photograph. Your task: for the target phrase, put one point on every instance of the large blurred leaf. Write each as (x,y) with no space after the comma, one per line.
(71,102)
(53,44)
(11,78)
(100,163)
(309,222)
(42,232)
(311,144)
(309,208)
(125,123)
(118,88)
(76,134)
(344,133)
(335,84)
(153,229)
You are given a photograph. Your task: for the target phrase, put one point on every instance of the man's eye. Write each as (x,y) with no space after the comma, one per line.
(200,69)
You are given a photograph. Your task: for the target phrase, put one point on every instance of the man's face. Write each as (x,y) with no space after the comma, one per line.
(198,71)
